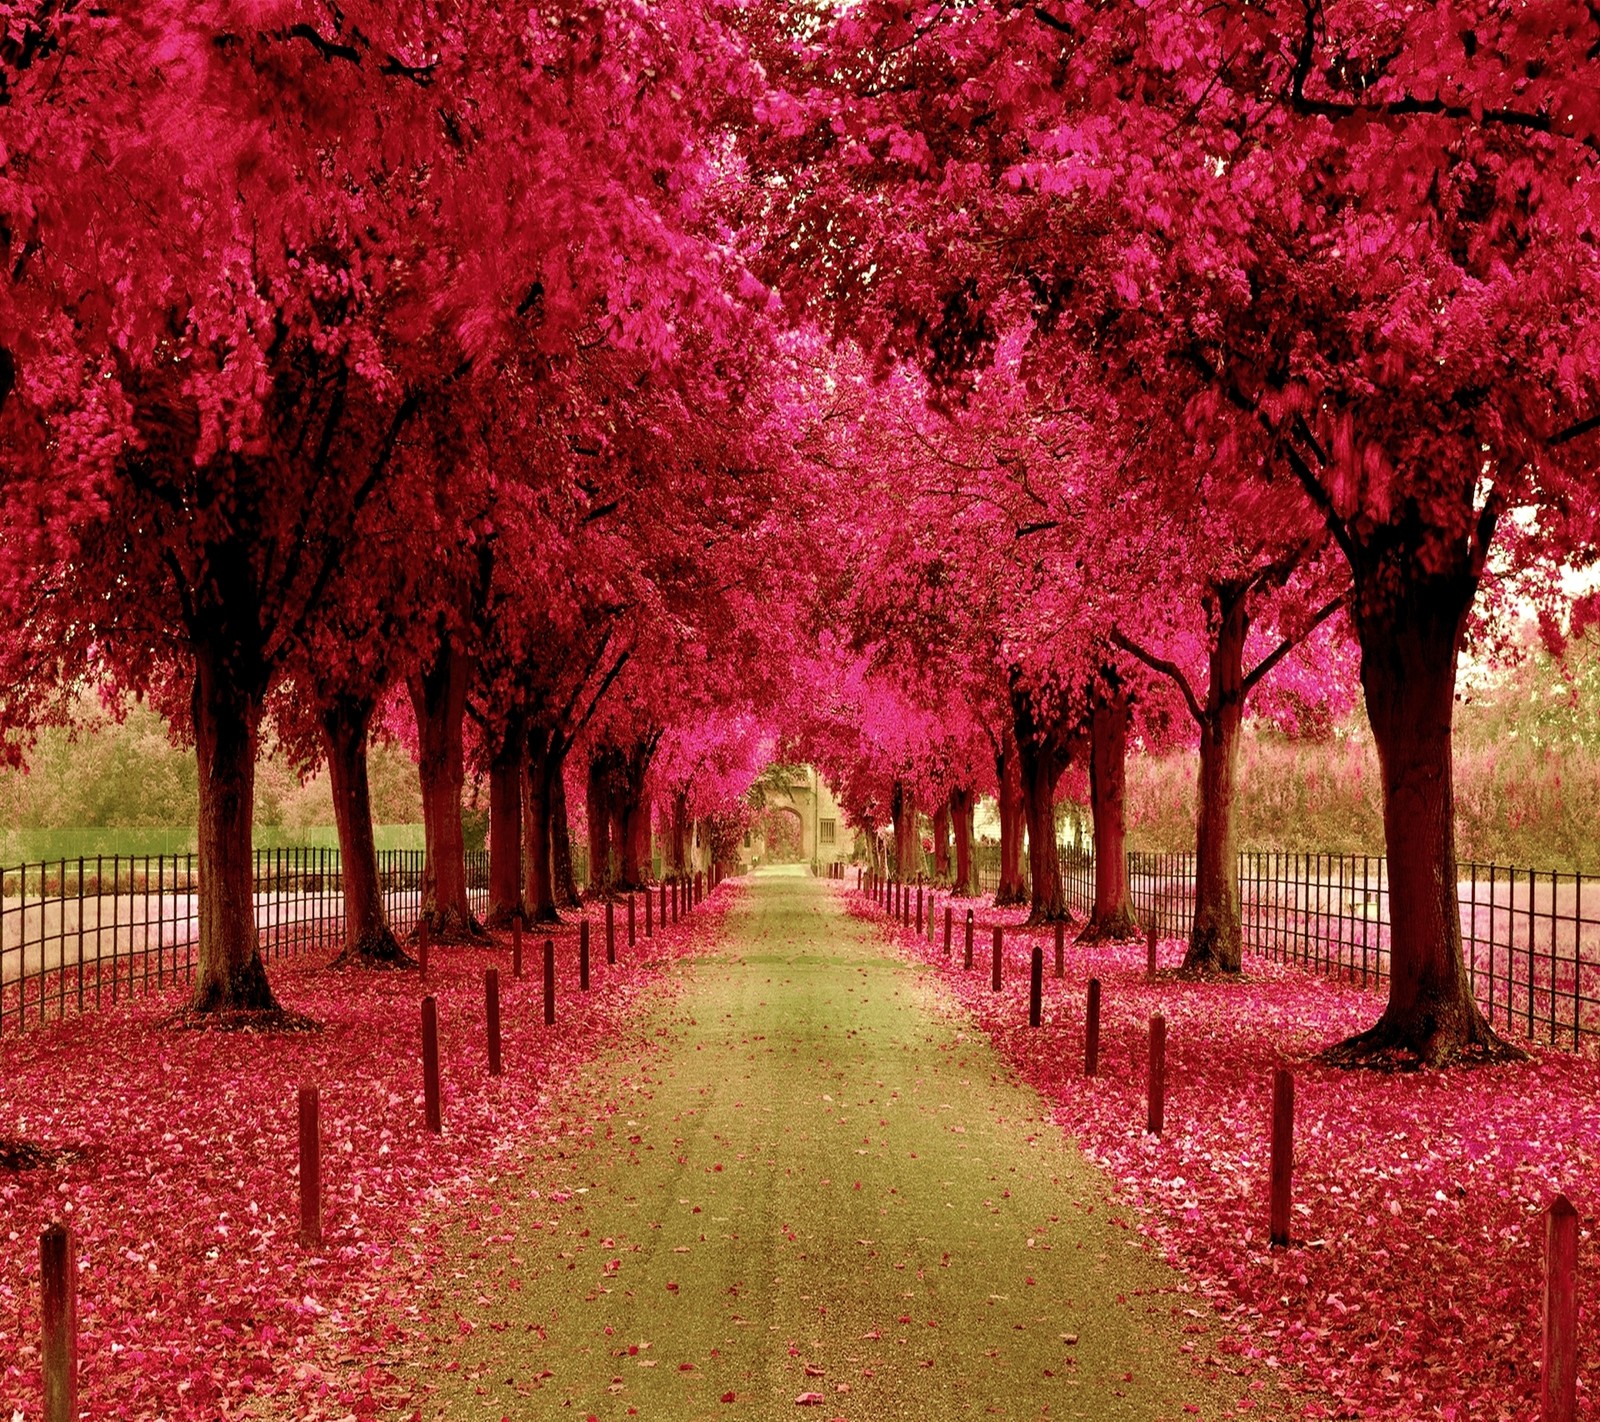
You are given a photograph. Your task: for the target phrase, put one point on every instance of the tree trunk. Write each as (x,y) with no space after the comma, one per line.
(1216,936)
(1042,758)
(566,884)
(1113,917)
(231,977)
(941,841)
(907,841)
(506,771)
(1410,625)
(439,699)
(1013,887)
(597,804)
(679,865)
(367,937)
(962,804)
(542,768)
(634,840)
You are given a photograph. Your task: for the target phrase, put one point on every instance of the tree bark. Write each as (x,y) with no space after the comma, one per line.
(679,865)
(1216,936)
(941,840)
(634,841)
(566,883)
(367,936)
(1042,755)
(597,804)
(231,977)
(1113,917)
(541,769)
(1013,886)
(907,842)
(439,699)
(1410,624)
(506,771)
(963,802)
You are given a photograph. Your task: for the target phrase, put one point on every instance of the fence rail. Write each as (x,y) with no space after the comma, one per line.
(79,934)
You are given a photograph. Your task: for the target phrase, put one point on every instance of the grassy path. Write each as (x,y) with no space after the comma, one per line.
(818,1184)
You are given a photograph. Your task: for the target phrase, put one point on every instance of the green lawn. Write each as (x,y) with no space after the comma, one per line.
(818,1182)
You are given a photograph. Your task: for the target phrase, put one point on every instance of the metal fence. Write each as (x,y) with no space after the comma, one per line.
(84,933)
(1530,937)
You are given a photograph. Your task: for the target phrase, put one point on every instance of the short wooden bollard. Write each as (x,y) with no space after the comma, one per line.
(1091,1031)
(1150,951)
(1282,1170)
(1558,1377)
(649,927)
(1158,1075)
(611,933)
(994,970)
(422,945)
(919,910)
(949,924)
(583,957)
(966,962)
(1061,949)
(633,923)
(677,896)
(516,946)
(432,1114)
(491,1015)
(310,1166)
(550,981)
(58,1281)
(905,908)
(1036,987)
(931,900)
(699,889)
(663,905)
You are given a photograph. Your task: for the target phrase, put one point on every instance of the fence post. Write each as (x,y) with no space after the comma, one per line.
(58,1281)
(550,981)
(422,944)
(948,916)
(633,920)
(516,945)
(1558,1376)
(1150,950)
(1035,986)
(649,925)
(491,1009)
(1282,1172)
(430,1065)
(1091,1031)
(1061,949)
(1158,1074)
(611,933)
(583,957)
(994,971)
(310,1165)
(919,910)
(967,963)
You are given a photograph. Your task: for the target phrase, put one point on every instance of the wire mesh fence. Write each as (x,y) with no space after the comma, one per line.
(79,934)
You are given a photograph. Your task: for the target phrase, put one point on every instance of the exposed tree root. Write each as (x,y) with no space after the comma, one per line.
(450,927)
(1014,899)
(375,950)
(1112,928)
(20,1155)
(1044,918)
(1428,1040)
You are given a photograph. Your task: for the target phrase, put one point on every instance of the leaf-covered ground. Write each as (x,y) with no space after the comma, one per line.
(1413,1288)
(172,1155)
(824,1190)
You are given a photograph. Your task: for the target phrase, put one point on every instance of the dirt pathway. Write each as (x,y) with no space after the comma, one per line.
(818,1187)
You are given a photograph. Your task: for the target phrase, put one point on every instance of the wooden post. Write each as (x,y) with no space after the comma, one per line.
(611,934)
(932,898)
(491,1012)
(310,1166)
(422,945)
(1150,951)
(583,958)
(919,910)
(1091,1031)
(663,905)
(58,1281)
(430,1065)
(677,895)
(1558,1377)
(1061,949)
(994,970)
(649,925)
(699,889)
(550,981)
(516,945)
(967,961)
(1036,986)
(1158,1074)
(633,922)
(1282,1172)
(949,915)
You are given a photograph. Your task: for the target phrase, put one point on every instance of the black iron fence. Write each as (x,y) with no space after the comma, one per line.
(83,933)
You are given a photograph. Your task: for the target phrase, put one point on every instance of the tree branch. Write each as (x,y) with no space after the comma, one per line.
(1166,668)
(1278,653)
